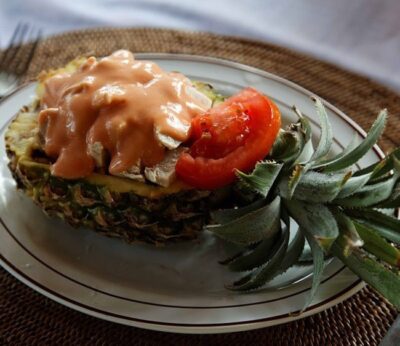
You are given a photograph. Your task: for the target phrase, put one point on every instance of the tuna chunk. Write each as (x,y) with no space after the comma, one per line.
(163,173)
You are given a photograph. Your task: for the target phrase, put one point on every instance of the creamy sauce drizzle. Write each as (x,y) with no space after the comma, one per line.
(117,101)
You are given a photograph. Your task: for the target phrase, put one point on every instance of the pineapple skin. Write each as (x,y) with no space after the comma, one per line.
(143,213)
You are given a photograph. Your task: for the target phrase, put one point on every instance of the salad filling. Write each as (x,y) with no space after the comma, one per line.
(131,119)
(116,111)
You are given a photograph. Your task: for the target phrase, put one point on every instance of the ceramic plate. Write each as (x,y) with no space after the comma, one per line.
(178,288)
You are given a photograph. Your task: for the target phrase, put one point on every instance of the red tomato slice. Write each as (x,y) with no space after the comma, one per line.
(216,134)
(232,136)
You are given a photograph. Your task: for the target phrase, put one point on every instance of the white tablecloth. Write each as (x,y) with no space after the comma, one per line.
(360,35)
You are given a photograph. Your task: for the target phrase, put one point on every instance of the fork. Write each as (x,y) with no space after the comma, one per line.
(17,57)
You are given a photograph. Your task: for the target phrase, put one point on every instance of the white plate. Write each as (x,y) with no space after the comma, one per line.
(179,288)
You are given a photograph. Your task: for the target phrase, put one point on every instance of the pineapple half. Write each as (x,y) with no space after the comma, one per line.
(118,207)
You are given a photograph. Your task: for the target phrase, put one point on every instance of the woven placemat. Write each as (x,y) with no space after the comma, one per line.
(29,318)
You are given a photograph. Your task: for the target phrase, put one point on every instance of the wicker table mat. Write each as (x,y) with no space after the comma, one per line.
(29,318)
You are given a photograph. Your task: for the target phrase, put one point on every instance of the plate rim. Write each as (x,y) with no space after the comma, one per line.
(199,328)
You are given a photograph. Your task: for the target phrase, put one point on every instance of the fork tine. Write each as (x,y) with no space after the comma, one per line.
(14,35)
(35,38)
(11,43)
(19,41)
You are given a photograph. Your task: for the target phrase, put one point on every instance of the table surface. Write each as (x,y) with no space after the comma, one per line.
(360,35)
(28,318)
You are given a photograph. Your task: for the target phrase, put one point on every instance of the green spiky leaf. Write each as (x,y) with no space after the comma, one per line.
(294,144)
(305,155)
(393,201)
(320,187)
(251,227)
(305,125)
(352,157)
(287,146)
(288,183)
(380,168)
(262,178)
(353,185)
(295,248)
(387,226)
(349,232)
(325,141)
(377,245)
(253,258)
(354,143)
(305,128)
(319,264)
(264,252)
(223,216)
(295,179)
(369,195)
(263,274)
(383,279)
(293,253)
(315,219)
(376,217)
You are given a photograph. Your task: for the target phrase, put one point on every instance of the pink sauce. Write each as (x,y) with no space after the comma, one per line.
(120,103)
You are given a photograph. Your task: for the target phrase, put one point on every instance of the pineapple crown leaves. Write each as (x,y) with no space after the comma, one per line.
(337,209)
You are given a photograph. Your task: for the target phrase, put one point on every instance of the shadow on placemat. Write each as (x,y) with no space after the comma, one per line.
(28,318)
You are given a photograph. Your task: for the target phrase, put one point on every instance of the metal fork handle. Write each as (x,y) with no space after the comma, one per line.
(15,55)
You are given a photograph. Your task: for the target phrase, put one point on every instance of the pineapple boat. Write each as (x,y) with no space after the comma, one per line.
(122,182)
(134,152)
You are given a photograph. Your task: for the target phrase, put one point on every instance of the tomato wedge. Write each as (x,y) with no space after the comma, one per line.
(231,136)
